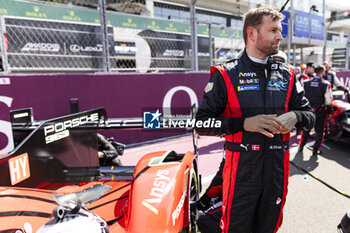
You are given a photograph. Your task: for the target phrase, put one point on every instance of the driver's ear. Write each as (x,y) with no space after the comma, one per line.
(252,34)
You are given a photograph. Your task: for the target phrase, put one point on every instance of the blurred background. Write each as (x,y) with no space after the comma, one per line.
(159,36)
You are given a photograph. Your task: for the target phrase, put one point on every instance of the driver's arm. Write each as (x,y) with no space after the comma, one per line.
(337,83)
(105,148)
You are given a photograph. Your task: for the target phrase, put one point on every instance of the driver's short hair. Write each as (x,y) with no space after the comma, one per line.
(254,17)
(319,69)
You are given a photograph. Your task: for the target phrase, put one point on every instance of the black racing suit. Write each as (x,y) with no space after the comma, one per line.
(317,91)
(334,81)
(214,189)
(109,152)
(255,175)
(209,221)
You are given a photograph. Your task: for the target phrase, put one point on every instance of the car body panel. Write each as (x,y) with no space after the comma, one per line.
(154,199)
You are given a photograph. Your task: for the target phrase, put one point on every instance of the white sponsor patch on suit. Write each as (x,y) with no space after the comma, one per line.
(299,87)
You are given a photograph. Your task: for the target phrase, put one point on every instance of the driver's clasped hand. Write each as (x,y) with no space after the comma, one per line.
(288,120)
(269,125)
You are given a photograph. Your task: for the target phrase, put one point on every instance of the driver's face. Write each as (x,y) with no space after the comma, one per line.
(310,70)
(269,36)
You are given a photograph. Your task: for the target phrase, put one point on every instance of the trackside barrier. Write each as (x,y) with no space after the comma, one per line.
(122,95)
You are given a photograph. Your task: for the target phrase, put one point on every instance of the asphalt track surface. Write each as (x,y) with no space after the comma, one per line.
(311,206)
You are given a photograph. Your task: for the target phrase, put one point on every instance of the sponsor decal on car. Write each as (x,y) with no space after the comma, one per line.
(176,213)
(19,168)
(60,130)
(157,193)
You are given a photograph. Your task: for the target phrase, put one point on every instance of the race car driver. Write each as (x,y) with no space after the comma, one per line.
(309,72)
(332,78)
(107,152)
(318,91)
(301,75)
(258,101)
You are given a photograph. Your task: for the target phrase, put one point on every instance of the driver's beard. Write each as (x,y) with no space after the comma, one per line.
(267,48)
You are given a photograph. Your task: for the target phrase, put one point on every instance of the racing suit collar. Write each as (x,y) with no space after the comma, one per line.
(245,58)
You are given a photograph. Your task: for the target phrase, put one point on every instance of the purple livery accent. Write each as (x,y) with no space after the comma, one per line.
(344,77)
(122,95)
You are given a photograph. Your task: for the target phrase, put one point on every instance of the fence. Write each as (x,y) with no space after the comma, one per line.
(38,45)
(37,37)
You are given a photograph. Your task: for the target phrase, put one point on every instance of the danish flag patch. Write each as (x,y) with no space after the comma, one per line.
(255,147)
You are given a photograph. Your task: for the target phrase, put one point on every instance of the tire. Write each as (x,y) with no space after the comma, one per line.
(193,196)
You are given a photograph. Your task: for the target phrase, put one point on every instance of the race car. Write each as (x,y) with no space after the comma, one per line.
(52,181)
(338,126)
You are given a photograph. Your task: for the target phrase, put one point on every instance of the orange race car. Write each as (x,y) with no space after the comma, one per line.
(52,181)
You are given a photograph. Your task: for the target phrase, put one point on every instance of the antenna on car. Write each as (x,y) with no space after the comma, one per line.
(284,5)
(194,134)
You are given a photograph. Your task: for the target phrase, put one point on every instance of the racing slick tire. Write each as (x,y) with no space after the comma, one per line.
(193,198)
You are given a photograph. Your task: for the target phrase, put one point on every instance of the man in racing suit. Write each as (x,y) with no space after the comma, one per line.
(332,78)
(210,203)
(309,73)
(318,91)
(302,72)
(246,95)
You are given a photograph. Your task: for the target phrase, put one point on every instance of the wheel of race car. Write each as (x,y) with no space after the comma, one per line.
(59,212)
(333,131)
(193,198)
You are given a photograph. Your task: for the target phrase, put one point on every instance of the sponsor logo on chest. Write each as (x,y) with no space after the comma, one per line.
(248,88)
(247,74)
(249,81)
(276,82)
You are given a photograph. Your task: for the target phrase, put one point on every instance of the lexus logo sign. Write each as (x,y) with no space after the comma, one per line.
(74,48)
(77,48)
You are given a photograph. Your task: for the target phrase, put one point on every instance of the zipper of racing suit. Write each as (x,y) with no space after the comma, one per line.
(265,94)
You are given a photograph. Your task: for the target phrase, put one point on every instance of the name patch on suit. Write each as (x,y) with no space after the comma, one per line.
(314,84)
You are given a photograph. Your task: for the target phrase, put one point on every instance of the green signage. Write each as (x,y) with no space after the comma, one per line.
(65,13)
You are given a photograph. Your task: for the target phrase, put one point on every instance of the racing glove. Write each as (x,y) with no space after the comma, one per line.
(289,120)
(204,202)
(346,91)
